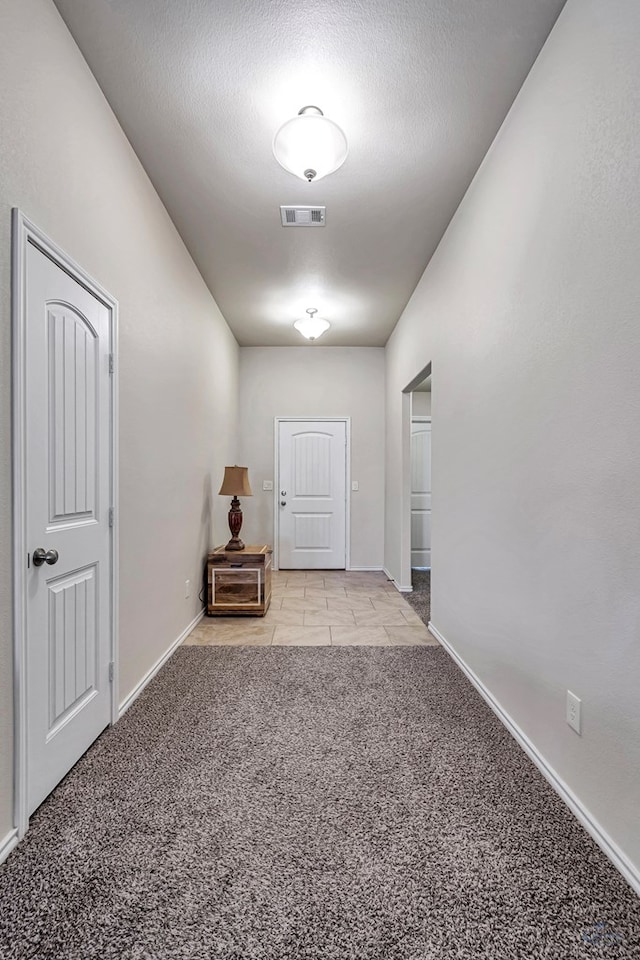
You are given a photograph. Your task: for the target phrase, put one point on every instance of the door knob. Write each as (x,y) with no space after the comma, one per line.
(283,493)
(283,503)
(40,556)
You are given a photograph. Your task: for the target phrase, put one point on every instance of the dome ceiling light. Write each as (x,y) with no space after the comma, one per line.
(310,145)
(312,327)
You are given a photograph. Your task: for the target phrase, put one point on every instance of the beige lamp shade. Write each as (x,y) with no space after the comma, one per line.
(236,482)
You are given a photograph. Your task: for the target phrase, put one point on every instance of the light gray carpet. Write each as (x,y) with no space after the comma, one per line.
(420,599)
(320,803)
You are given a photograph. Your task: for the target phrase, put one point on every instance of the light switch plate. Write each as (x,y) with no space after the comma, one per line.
(355,486)
(267,484)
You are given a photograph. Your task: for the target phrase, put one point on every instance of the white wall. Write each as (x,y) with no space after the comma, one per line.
(66,163)
(532,298)
(316,381)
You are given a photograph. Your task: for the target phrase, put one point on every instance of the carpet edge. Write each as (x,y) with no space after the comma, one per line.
(157,666)
(609,847)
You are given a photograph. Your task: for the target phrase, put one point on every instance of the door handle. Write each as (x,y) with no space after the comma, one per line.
(40,556)
(283,503)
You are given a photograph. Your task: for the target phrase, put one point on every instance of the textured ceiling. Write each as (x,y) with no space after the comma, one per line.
(420,88)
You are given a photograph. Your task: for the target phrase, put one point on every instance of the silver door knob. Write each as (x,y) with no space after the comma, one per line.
(40,556)
(283,503)
(283,493)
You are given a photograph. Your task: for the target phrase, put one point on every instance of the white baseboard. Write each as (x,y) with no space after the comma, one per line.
(365,569)
(150,674)
(397,585)
(618,858)
(8,843)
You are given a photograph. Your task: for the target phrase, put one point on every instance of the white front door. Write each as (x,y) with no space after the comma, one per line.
(312,494)
(420,492)
(68,489)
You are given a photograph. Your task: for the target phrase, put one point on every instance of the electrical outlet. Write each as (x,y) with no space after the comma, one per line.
(187,589)
(574,712)
(267,484)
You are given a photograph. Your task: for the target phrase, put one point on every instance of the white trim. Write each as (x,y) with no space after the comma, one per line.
(404,571)
(275,556)
(115,506)
(420,419)
(347,495)
(417,380)
(8,844)
(377,569)
(608,846)
(23,233)
(160,662)
(18,298)
(276,492)
(398,587)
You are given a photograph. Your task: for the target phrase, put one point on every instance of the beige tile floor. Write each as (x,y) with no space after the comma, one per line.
(322,608)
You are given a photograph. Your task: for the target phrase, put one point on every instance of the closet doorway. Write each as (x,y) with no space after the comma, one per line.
(421,476)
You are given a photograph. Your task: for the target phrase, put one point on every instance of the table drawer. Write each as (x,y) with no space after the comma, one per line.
(236,586)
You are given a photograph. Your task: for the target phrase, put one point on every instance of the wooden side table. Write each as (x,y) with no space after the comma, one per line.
(239,581)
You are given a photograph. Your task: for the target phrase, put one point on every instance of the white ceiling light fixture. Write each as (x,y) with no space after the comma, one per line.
(310,145)
(312,327)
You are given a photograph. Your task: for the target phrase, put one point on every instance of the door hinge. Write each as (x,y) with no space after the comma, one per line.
(111,363)
(110,516)
(111,671)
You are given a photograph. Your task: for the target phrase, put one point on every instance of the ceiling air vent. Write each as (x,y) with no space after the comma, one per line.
(303,216)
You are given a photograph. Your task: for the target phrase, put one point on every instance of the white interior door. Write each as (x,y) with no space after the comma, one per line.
(68,489)
(420,492)
(312,494)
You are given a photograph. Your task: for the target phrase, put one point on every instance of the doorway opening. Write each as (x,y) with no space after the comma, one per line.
(421,476)
(417,414)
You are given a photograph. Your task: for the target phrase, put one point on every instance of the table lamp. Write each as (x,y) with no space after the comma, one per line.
(234,484)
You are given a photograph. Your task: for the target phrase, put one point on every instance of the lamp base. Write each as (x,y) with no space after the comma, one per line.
(235,525)
(235,544)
